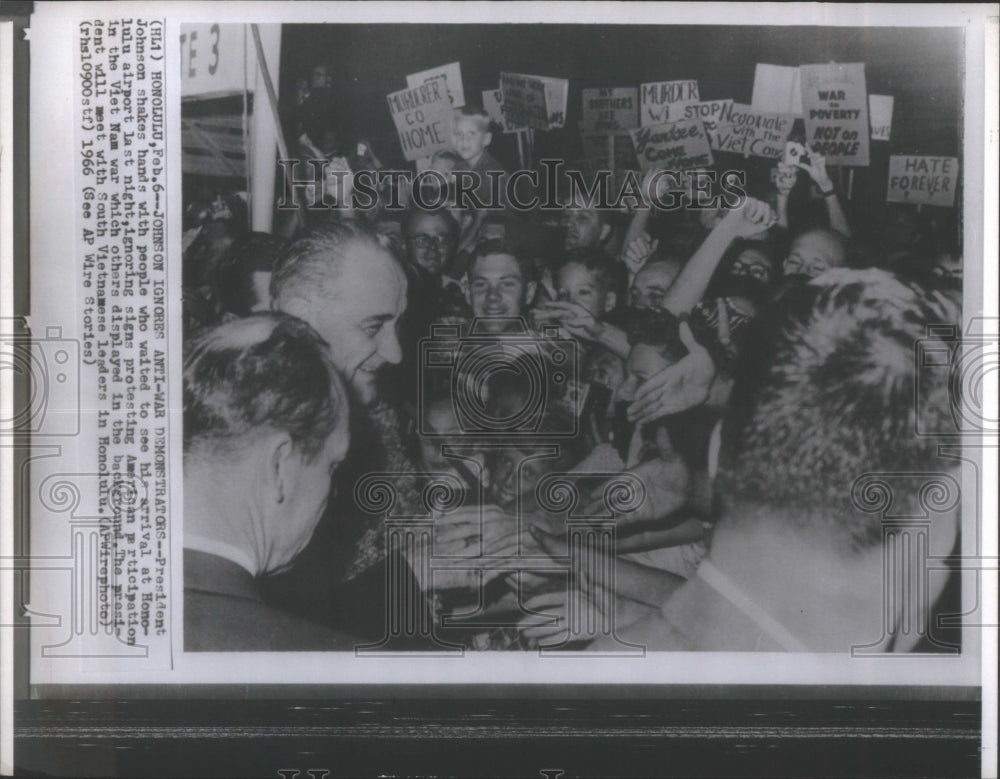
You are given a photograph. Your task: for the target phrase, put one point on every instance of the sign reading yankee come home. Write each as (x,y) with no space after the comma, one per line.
(424,118)
(676,145)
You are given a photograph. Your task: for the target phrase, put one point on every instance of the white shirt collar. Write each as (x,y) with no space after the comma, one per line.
(220,549)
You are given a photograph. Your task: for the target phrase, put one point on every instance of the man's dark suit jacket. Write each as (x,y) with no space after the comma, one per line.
(223,612)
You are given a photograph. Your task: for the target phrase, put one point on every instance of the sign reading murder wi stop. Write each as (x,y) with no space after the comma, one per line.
(676,146)
(747,130)
(424,118)
(610,111)
(523,101)
(835,106)
(664,101)
(927,181)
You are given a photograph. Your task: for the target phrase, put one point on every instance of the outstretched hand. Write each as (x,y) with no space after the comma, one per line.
(681,386)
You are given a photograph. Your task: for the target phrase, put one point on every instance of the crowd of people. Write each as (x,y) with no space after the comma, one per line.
(740,367)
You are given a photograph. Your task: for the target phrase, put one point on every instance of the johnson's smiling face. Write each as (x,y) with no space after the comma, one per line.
(359,321)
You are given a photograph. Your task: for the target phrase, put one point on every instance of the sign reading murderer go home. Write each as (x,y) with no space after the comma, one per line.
(424,118)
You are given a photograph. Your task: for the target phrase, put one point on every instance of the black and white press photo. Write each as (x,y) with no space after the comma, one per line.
(485,378)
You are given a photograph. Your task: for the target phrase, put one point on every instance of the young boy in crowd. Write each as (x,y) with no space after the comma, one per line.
(471,138)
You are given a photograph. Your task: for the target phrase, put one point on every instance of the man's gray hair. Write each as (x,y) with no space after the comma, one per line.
(311,264)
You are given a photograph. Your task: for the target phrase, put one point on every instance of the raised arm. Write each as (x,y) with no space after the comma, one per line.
(689,287)
(817,172)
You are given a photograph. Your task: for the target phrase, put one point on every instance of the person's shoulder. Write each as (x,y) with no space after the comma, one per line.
(215,622)
(489,162)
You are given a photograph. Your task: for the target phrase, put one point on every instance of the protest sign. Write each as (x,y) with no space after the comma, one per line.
(523,101)
(452,73)
(747,130)
(609,111)
(424,117)
(664,101)
(777,89)
(710,112)
(927,181)
(556,98)
(679,145)
(493,105)
(880,116)
(835,102)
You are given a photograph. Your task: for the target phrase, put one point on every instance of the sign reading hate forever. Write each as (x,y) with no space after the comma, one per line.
(835,104)
(929,181)
(664,101)
(675,146)
(424,118)
(608,111)
(524,101)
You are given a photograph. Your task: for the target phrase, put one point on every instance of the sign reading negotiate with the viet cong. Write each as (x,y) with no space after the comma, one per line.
(747,130)
(424,117)
(835,106)
(452,73)
(929,181)
(524,102)
(679,145)
(609,111)
(664,101)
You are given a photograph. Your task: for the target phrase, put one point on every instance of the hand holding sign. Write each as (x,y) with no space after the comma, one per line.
(815,165)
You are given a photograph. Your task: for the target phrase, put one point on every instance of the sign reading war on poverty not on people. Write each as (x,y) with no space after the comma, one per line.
(835,105)
(929,181)
(743,129)
(523,101)
(664,101)
(610,111)
(423,117)
(676,146)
